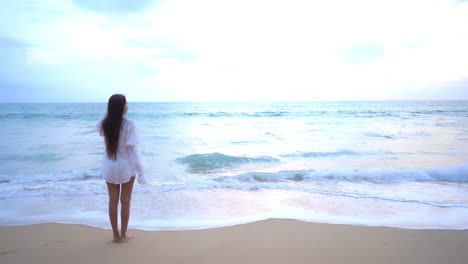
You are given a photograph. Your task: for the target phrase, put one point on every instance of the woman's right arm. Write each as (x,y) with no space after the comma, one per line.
(131,141)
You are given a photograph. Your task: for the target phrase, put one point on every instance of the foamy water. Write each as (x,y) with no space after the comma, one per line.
(399,164)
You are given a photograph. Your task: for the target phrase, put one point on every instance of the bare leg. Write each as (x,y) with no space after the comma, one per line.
(114,191)
(125,199)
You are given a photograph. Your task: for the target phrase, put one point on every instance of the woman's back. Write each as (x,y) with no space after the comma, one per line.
(127,162)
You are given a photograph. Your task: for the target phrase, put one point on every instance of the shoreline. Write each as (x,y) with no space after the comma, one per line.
(266,241)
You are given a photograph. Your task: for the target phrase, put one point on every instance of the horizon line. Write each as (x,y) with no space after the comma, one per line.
(235,101)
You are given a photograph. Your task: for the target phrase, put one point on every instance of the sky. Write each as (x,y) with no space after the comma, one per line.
(243,50)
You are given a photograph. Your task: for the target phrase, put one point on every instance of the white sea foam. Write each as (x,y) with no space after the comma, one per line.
(47,177)
(377,175)
(317,181)
(199,209)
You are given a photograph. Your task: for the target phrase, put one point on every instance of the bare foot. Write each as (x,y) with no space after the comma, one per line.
(116,238)
(124,239)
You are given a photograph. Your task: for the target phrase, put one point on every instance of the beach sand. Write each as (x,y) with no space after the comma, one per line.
(269,241)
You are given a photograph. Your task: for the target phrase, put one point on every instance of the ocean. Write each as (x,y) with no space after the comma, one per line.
(381,163)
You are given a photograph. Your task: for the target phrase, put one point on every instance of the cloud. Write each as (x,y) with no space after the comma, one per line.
(364,52)
(116,7)
(161,48)
(214,50)
(457,2)
(147,43)
(442,90)
(13,60)
(7,42)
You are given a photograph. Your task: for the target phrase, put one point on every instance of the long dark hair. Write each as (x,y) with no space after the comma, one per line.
(112,123)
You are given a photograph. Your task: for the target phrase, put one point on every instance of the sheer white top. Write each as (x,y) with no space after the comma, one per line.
(128,161)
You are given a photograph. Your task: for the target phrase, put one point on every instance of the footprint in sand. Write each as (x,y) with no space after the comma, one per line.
(6,251)
(54,243)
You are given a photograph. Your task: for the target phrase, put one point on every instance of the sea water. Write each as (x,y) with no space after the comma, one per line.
(398,164)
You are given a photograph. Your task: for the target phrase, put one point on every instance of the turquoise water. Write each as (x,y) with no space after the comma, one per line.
(400,164)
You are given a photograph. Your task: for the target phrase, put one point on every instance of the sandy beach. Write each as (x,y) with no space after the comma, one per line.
(269,241)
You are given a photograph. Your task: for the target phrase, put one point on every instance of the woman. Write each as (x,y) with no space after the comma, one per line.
(122,162)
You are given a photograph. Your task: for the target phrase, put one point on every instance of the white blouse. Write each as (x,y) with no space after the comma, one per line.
(128,162)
